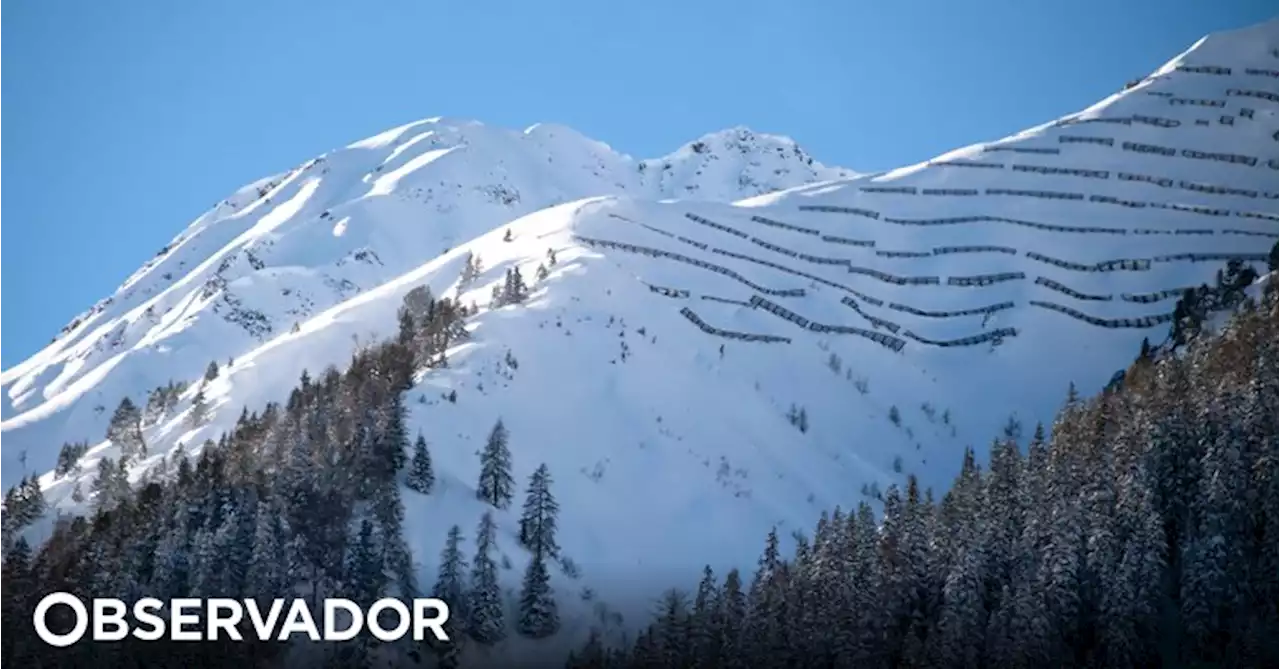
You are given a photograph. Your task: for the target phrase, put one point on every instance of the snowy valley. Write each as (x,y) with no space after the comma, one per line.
(711,344)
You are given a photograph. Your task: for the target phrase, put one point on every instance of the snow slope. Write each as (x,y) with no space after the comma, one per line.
(1041,259)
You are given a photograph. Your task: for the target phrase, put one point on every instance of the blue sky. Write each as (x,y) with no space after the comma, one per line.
(125,120)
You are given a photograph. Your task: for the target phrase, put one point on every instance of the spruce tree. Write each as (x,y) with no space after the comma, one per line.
(199,410)
(538,521)
(211,372)
(449,580)
(363,569)
(539,616)
(421,477)
(125,430)
(496,486)
(486,621)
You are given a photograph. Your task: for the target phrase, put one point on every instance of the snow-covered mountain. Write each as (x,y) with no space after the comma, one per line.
(908,313)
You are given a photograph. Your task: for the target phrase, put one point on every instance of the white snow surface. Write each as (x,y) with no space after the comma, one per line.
(678,455)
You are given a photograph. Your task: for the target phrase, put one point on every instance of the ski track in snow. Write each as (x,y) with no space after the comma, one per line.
(677,456)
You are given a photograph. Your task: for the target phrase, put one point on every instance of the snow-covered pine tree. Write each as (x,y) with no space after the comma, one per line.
(449,578)
(125,430)
(542,273)
(364,577)
(486,620)
(539,617)
(199,410)
(705,642)
(211,372)
(421,477)
(496,485)
(538,521)
(266,578)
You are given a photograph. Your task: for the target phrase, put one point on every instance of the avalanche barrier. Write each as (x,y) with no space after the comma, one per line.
(1113,323)
(984,279)
(991,335)
(990,309)
(743,336)
(1054,285)
(890,342)
(658,253)
(876,321)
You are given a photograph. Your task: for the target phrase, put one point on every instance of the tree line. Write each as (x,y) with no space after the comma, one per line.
(1142,533)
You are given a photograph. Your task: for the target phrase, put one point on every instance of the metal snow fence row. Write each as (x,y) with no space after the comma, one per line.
(779,311)
(1163,182)
(895,279)
(820,260)
(1114,323)
(1000,219)
(1261,72)
(841,210)
(1190,208)
(1104,266)
(1258,215)
(1022,149)
(743,336)
(1184,231)
(888,341)
(1251,233)
(785,226)
(892,343)
(719,226)
(784,268)
(1205,257)
(1138,147)
(985,279)
(1073,139)
(713,298)
(1147,298)
(904,254)
(660,231)
(876,321)
(686,240)
(773,247)
(1261,95)
(658,253)
(1196,102)
(902,190)
(1109,199)
(1065,290)
(1085,121)
(991,335)
(1216,190)
(989,309)
(836,239)
(1220,157)
(1204,69)
(1045,194)
(1068,171)
(968,163)
(950,191)
(941,250)
(669,292)
(1158,121)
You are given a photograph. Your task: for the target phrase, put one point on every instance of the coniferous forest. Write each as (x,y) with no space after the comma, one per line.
(1141,533)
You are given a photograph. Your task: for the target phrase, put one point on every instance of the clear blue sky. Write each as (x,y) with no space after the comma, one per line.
(124,120)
